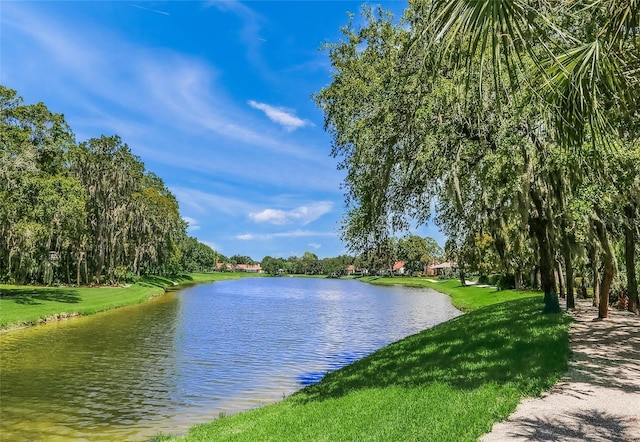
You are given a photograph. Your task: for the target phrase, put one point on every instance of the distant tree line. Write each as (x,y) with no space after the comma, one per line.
(82,213)
(414,251)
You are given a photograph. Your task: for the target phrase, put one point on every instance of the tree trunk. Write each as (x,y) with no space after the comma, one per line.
(595,272)
(609,269)
(571,302)
(540,230)
(79,256)
(537,279)
(100,265)
(560,277)
(461,274)
(630,261)
(100,249)
(135,262)
(605,287)
(518,279)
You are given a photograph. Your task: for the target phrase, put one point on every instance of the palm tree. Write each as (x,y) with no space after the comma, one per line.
(584,54)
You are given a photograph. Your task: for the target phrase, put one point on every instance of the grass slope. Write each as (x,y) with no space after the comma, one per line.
(466,298)
(26,305)
(448,383)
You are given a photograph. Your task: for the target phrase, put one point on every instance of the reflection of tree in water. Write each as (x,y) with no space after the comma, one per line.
(91,373)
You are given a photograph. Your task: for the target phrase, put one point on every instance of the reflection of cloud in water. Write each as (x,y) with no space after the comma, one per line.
(370,318)
(217,348)
(330,295)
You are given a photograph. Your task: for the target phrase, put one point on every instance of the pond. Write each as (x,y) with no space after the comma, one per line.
(189,356)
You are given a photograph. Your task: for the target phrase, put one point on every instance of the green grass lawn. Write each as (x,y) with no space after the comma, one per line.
(25,305)
(448,383)
(468,297)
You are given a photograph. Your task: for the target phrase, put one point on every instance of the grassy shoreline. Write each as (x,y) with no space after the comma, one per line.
(465,298)
(22,306)
(448,383)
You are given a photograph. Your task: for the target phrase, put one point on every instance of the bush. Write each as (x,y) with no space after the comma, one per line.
(506,282)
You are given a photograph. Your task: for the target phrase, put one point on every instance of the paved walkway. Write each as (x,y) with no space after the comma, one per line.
(598,399)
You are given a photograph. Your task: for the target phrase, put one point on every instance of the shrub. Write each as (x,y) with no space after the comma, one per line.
(507,281)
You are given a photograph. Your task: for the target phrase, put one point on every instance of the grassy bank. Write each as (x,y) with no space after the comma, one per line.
(448,383)
(26,305)
(465,298)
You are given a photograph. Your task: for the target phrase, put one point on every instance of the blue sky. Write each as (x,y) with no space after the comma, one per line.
(214,97)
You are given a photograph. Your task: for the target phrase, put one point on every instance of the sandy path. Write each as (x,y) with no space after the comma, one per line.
(598,399)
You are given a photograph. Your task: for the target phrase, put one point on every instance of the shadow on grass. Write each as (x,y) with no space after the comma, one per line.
(509,343)
(37,295)
(183,278)
(155,281)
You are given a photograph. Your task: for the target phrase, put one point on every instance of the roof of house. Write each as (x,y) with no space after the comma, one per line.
(249,266)
(444,265)
(398,265)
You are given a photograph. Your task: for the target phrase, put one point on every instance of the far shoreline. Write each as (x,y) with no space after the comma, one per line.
(24,306)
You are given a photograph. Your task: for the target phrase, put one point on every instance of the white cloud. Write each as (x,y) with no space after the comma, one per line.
(315,245)
(158,86)
(303,214)
(213,245)
(193,223)
(291,234)
(203,201)
(272,216)
(280,115)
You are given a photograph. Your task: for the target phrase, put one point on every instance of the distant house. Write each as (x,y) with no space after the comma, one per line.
(226,267)
(248,268)
(399,268)
(444,268)
(353,270)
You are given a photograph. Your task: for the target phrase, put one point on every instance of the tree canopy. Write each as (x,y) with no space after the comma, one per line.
(82,213)
(466,106)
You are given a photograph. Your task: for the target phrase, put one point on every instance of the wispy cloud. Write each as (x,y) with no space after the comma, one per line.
(203,202)
(302,214)
(251,32)
(151,86)
(315,245)
(151,10)
(193,223)
(213,245)
(291,234)
(279,115)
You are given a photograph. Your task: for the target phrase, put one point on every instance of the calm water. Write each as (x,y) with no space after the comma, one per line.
(186,357)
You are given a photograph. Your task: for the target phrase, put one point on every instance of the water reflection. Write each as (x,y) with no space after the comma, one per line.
(185,358)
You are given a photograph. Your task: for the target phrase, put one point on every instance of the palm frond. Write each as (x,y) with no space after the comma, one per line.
(485,30)
(582,83)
